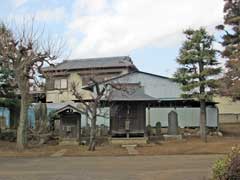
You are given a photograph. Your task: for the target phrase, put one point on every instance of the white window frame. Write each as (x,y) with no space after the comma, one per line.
(60,83)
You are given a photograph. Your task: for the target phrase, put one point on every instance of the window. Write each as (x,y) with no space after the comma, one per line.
(60,84)
(57,83)
(63,83)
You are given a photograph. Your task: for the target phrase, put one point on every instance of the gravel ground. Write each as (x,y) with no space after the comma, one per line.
(181,167)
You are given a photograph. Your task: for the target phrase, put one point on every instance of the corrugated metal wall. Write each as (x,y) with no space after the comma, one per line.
(154,86)
(160,87)
(103,119)
(187,117)
(5,113)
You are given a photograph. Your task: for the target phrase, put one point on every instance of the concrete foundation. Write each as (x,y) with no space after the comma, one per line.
(127,141)
(69,142)
(172,137)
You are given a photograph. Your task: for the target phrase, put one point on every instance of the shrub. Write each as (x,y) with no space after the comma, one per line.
(228,168)
(234,166)
(149,130)
(220,168)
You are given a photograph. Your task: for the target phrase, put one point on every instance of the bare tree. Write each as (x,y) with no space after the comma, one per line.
(91,107)
(102,96)
(41,133)
(25,48)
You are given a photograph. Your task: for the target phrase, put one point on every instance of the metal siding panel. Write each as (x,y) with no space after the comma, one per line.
(100,120)
(187,117)
(83,120)
(212,117)
(154,86)
(5,113)
(104,120)
(159,115)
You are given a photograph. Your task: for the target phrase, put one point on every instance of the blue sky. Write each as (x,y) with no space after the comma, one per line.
(150,31)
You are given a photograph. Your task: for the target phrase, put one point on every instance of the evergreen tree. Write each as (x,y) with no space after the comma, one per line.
(6,81)
(231,43)
(198,66)
(8,97)
(7,87)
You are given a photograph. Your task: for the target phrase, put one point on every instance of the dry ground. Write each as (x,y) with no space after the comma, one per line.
(215,145)
(230,129)
(8,150)
(175,167)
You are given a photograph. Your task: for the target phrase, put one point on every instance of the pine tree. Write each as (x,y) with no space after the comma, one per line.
(6,72)
(231,43)
(198,66)
(6,88)
(8,97)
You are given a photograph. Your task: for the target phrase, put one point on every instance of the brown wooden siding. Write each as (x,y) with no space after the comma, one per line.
(121,112)
(70,125)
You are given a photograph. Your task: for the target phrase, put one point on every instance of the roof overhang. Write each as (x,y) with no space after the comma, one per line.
(68,107)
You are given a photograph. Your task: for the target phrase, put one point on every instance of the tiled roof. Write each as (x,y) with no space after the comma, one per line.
(103,62)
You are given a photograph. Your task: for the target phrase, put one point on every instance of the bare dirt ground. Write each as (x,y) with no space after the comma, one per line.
(215,145)
(8,150)
(179,167)
(189,159)
(230,129)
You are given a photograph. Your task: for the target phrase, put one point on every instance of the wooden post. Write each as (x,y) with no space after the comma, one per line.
(86,117)
(61,127)
(78,128)
(127,127)
(149,118)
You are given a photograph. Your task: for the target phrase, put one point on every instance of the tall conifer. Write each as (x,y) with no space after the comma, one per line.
(198,66)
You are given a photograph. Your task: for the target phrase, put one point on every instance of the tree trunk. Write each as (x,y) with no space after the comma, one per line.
(92,142)
(203,129)
(22,126)
(203,123)
(41,120)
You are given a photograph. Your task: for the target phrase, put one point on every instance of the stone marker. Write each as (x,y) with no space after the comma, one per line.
(131,149)
(59,153)
(173,123)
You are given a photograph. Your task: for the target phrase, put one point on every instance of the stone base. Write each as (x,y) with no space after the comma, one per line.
(131,149)
(69,142)
(128,141)
(172,137)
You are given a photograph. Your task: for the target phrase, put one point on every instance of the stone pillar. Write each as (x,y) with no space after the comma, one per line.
(127,127)
(173,123)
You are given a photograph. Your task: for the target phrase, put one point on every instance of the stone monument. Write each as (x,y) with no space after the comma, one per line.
(173,123)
